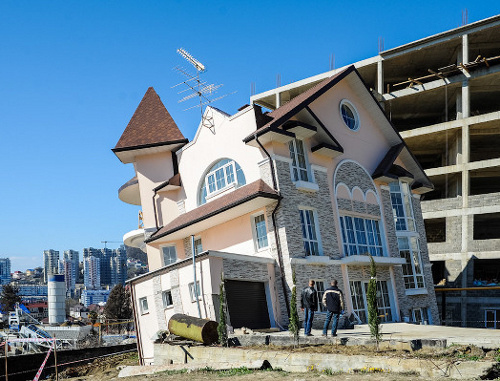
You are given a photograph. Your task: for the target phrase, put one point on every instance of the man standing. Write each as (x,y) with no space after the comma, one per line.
(333,300)
(309,303)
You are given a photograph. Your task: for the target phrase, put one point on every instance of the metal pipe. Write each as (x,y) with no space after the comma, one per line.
(136,324)
(275,228)
(154,209)
(195,285)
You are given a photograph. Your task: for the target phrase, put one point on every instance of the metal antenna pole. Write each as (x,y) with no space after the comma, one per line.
(195,285)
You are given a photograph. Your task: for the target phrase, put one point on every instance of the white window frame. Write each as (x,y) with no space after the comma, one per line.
(424,315)
(308,239)
(227,184)
(192,290)
(144,306)
(354,110)
(319,294)
(165,300)
(354,248)
(411,278)
(198,247)
(163,254)
(255,232)
(294,155)
(402,212)
(363,285)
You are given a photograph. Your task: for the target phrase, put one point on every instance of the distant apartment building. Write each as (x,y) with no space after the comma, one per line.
(74,257)
(92,273)
(29,290)
(94,297)
(113,264)
(67,268)
(5,277)
(50,263)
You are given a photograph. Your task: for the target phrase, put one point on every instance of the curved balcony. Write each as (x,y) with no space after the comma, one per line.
(129,192)
(135,238)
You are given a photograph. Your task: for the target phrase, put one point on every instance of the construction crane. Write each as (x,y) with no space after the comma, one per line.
(106,242)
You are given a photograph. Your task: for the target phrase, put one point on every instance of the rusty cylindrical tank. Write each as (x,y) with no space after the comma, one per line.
(189,327)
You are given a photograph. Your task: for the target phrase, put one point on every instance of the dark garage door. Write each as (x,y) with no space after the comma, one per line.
(247,305)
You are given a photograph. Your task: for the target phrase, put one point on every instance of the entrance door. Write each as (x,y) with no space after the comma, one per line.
(247,304)
(360,304)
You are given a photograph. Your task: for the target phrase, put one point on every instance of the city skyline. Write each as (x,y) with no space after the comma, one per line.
(73,73)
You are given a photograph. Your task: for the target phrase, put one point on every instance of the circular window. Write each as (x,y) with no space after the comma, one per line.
(349,115)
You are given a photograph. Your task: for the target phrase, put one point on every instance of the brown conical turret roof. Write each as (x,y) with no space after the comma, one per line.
(150,126)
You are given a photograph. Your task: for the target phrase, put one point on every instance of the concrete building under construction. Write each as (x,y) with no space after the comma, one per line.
(442,93)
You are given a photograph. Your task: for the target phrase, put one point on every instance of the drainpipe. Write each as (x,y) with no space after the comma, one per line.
(195,286)
(154,209)
(275,228)
(136,324)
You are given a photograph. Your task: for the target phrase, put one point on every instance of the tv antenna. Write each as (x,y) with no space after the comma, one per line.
(198,88)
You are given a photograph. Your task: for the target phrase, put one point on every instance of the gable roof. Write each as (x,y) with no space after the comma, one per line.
(150,126)
(283,113)
(276,119)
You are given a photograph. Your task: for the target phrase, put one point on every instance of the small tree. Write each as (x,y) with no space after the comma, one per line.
(9,297)
(222,327)
(373,316)
(118,306)
(294,322)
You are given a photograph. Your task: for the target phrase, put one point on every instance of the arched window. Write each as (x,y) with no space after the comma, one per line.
(224,174)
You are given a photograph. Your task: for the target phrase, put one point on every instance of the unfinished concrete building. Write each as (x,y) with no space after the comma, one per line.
(442,93)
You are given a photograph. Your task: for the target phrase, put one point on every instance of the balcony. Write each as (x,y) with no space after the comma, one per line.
(129,192)
(135,238)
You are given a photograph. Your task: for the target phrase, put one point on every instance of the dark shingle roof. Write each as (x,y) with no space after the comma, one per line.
(241,195)
(151,125)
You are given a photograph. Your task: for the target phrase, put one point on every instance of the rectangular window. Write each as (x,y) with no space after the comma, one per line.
(260,231)
(359,291)
(310,234)
(492,319)
(409,249)
(194,292)
(361,236)
(320,290)
(198,247)
(166,296)
(420,315)
(220,178)
(169,255)
(299,163)
(401,206)
(143,304)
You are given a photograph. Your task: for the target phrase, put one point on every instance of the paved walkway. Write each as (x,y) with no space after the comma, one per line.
(481,337)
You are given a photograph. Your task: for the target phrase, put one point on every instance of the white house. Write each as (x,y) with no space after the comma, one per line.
(312,186)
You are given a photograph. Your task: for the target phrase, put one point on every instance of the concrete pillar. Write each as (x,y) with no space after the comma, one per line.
(380,77)
(465,220)
(278,100)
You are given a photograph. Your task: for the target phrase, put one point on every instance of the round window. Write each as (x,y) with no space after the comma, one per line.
(349,115)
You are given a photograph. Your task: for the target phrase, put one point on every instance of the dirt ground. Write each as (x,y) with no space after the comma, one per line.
(106,369)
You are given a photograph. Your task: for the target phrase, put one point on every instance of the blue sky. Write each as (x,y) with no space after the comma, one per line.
(73,72)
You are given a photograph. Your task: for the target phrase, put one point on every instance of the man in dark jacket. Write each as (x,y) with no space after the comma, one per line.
(309,303)
(333,300)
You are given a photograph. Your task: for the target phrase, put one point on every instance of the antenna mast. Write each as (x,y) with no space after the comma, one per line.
(198,88)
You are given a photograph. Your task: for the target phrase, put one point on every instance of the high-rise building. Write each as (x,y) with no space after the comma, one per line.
(92,273)
(50,263)
(5,271)
(67,268)
(74,257)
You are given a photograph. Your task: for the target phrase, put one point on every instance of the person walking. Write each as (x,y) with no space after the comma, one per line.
(309,304)
(333,300)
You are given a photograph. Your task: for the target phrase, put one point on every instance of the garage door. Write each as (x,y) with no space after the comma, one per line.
(247,304)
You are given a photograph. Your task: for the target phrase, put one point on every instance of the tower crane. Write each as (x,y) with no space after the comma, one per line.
(106,242)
